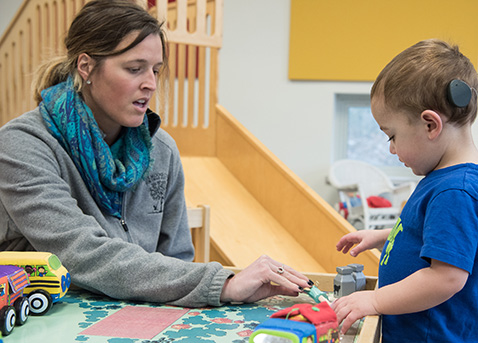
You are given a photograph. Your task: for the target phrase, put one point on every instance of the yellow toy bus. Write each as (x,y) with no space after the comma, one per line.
(49,279)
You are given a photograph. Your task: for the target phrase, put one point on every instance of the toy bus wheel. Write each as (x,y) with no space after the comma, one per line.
(7,318)
(40,302)
(22,307)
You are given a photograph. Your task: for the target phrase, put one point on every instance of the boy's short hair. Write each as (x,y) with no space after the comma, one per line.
(417,80)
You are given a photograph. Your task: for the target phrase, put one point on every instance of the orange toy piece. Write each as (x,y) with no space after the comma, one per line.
(320,315)
(298,318)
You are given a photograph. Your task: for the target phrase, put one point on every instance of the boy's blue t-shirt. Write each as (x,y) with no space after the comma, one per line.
(439,221)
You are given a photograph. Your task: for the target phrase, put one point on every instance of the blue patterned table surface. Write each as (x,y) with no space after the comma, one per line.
(79,310)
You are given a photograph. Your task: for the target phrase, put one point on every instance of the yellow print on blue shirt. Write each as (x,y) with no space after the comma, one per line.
(391,240)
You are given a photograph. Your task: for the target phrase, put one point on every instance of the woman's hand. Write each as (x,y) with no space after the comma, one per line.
(365,240)
(255,282)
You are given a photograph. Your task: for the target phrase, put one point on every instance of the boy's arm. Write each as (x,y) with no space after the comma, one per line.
(424,289)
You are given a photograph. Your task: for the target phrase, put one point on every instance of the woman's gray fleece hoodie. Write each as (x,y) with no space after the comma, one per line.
(46,206)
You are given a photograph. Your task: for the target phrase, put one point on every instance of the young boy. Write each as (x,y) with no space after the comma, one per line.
(425,100)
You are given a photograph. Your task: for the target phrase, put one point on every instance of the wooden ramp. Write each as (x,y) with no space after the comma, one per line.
(241,228)
(258,206)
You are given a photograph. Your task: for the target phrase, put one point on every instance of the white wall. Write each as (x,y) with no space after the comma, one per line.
(294,119)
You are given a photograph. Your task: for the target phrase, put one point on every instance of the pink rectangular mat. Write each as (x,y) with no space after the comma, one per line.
(135,322)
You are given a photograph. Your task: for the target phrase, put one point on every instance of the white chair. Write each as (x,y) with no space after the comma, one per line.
(198,220)
(355,182)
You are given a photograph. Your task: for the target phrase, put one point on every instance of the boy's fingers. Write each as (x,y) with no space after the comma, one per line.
(357,250)
(347,323)
(347,248)
(344,247)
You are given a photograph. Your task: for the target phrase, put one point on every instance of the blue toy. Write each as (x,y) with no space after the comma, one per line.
(277,330)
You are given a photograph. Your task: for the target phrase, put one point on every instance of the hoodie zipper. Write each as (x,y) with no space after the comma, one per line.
(126,229)
(124,225)
(123,220)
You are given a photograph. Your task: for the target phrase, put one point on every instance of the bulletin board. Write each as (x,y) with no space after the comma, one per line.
(352,40)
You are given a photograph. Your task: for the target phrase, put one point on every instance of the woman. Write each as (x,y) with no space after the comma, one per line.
(90,176)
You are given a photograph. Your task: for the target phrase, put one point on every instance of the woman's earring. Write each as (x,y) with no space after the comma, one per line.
(88,82)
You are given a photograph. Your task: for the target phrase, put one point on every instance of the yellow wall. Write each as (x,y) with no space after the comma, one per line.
(352,40)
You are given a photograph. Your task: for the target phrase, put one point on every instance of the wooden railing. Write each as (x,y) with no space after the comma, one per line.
(35,34)
(194,31)
(187,106)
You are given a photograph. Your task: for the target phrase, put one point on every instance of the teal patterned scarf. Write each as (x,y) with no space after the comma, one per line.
(108,172)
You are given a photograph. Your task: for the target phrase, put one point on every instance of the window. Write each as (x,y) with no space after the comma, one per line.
(358,136)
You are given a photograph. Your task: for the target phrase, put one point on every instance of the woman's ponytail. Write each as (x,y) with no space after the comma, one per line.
(49,74)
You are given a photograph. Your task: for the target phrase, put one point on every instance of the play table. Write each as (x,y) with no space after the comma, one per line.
(82,316)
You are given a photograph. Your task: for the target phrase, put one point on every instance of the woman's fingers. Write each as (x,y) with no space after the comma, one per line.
(287,276)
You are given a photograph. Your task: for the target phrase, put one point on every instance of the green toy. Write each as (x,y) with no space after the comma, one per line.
(315,293)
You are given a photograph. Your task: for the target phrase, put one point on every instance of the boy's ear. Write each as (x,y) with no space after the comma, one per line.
(85,65)
(432,122)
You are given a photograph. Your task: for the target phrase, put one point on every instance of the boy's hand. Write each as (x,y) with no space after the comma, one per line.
(424,289)
(353,307)
(365,240)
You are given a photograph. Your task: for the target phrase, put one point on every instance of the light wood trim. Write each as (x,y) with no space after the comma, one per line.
(202,93)
(371,330)
(193,139)
(198,220)
(182,118)
(199,10)
(218,255)
(325,281)
(191,76)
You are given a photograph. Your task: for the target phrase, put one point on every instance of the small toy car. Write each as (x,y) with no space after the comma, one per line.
(14,306)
